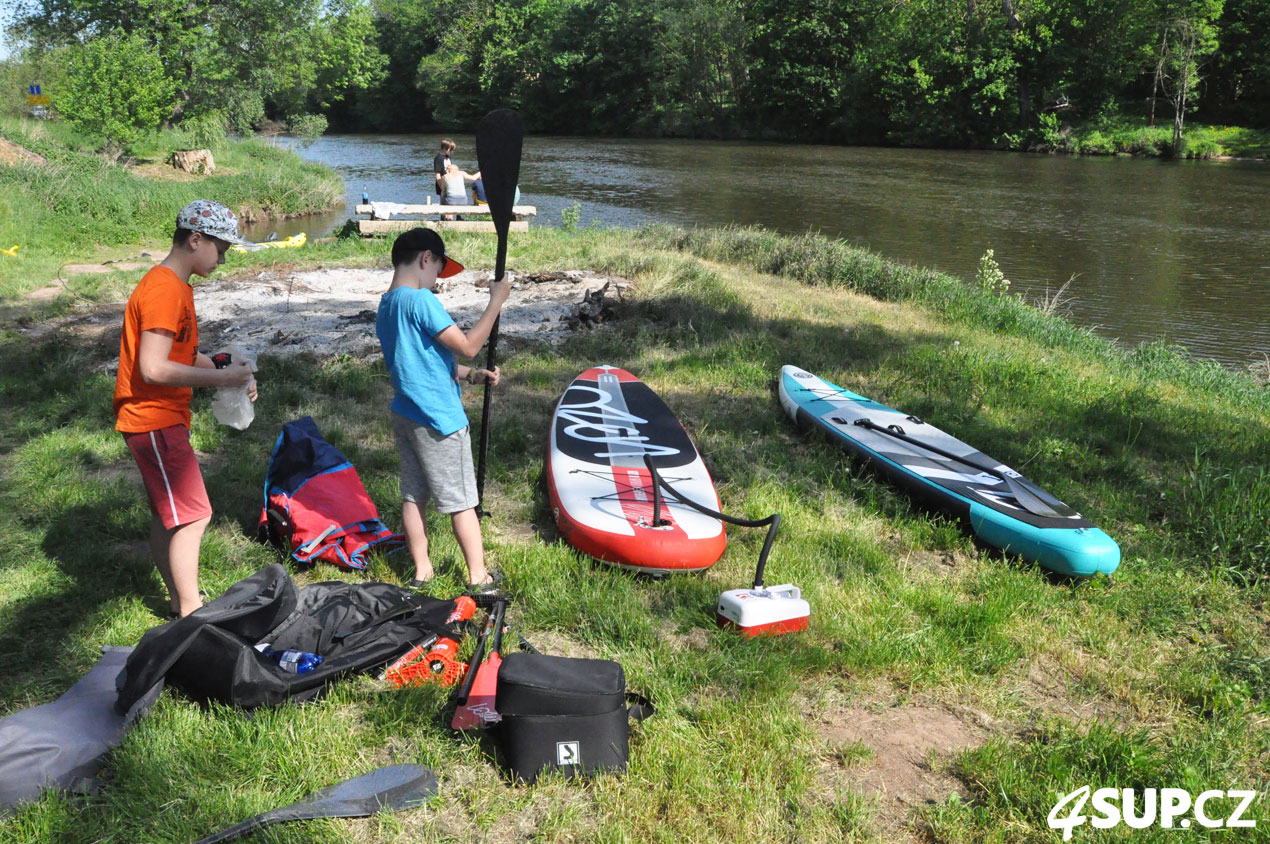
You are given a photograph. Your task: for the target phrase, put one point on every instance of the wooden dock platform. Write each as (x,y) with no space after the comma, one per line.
(428,216)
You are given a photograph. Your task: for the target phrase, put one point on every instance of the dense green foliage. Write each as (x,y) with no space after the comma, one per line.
(235,59)
(927,72)
(115,89)
(930,72)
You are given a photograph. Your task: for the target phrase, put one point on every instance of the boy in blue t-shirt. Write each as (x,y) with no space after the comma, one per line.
(420,340)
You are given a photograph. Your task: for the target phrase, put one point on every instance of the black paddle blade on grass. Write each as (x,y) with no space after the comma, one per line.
(499,138)
(388,789)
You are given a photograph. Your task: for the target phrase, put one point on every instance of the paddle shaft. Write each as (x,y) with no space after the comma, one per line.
(1030,500)
(491,361)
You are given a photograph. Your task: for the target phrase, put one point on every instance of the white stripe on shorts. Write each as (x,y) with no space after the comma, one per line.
(164,473)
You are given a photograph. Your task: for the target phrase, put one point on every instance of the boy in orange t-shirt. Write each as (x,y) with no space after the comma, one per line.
(159,364)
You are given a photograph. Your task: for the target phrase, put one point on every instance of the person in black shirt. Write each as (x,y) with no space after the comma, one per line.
(439,165)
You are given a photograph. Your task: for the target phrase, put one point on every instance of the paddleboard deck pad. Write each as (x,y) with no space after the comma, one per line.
(1002,507)
(600,491)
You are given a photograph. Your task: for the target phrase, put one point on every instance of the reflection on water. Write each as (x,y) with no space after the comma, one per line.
(1154,249)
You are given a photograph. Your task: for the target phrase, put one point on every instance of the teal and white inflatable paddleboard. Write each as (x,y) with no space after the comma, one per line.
(1004,509)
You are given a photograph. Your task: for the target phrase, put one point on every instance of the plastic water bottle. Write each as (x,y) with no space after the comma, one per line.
(231,405)
(291,660)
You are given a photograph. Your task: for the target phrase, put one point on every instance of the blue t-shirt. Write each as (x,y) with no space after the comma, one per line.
(422,370)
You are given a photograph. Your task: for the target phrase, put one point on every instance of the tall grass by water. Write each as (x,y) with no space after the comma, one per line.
(78,206)
(1156,677)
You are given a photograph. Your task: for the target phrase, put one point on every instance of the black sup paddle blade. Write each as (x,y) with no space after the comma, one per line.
(389,789)
(499,138)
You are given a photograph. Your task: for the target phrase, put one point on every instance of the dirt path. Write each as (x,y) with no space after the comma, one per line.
(332,311)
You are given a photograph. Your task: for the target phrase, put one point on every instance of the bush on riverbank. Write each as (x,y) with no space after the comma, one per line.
(76,205)
(1156,677)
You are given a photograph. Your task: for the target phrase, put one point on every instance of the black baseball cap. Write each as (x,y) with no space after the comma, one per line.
(410,243)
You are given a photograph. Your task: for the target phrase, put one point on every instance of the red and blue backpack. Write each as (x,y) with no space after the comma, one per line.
(315,503)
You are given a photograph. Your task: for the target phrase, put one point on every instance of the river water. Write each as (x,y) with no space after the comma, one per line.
(1171,250)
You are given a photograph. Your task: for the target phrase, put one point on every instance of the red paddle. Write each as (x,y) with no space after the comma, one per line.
(478,710)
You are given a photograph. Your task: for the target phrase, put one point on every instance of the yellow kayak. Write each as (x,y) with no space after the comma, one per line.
(286,243)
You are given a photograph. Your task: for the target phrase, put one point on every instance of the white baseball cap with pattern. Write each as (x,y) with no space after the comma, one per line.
(210,218)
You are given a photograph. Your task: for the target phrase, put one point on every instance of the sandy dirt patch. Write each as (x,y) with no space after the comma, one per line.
(332,311)
(108,267)
(11,153)
(895,755)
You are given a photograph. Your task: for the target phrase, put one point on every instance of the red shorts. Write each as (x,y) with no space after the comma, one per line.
(170,472)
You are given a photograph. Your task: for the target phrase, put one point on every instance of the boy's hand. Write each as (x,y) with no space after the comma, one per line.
(484,376)
(237,374)
(500,290)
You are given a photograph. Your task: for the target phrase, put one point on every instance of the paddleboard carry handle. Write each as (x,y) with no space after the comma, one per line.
(772,522)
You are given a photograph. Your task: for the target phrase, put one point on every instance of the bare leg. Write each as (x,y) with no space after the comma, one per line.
(175,554)
(159,554)
(416,530)
(467,530)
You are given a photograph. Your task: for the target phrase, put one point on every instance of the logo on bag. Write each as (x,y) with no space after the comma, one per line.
(568,753)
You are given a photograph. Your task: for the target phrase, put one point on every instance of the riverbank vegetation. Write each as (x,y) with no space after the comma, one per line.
(934,670)
(61,202)
(1120,136)
(1021,74)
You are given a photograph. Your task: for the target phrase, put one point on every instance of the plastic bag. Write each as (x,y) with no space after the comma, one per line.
(231,405)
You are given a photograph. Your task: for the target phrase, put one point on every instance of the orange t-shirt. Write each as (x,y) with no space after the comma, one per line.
(160,301)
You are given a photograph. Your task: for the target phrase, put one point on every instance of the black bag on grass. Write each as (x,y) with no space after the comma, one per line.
(562,714)
(210,654)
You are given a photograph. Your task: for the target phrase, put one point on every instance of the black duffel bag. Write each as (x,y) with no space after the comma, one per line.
(210,654)
(562,714)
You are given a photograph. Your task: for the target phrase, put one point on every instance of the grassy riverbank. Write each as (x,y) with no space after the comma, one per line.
(1130,136)
(71,205)
(975,688)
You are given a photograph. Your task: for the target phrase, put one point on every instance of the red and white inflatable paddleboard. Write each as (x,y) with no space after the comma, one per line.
(601,492)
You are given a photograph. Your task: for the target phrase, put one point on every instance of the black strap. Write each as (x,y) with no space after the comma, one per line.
(640,707)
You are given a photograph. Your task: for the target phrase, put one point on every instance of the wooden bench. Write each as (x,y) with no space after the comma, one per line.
(430,219)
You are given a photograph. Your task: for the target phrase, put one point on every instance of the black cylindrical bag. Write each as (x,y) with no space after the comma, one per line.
(562,714)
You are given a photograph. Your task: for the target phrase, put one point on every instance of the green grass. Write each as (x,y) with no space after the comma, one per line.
(1166,454)
(78,207)
(1132,136)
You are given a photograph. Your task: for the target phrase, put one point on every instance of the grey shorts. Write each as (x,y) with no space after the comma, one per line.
(434,466)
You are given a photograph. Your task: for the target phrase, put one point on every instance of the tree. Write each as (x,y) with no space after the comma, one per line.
(116,89)
(1187,38)
(803,64)
(235,57)
(1238,89)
